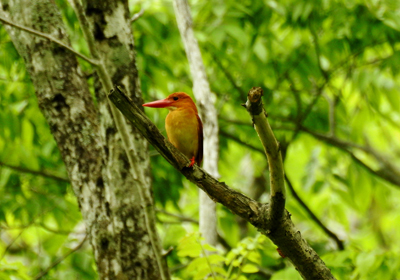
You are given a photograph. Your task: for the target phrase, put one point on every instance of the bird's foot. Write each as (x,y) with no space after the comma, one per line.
(191,162)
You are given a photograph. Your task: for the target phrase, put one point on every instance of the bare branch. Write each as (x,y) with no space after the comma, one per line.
(332,116)
(136,16)
(228,75)
(59,260)
(50,38)
(179,217)
(34,172)
(12,242)
(254,106)
(237,202)
(388,172)
(318,52)
(332,235)
(237,139)
(286,236)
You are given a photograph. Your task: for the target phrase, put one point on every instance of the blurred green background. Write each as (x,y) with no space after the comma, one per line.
(330,74)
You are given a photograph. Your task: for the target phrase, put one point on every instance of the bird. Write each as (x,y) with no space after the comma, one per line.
(183,125)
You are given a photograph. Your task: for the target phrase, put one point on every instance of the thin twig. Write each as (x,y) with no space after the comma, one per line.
(32,222)
(180,217)
(59,260)
(34,172)
(206,256)
(61,232)
(296,95)
(318,52)
(50,38)
(339,242)
(237,139)
(11,243)
(332,117)
(232,121)
(388,173)
(136,16)
(228,75)
(289,68)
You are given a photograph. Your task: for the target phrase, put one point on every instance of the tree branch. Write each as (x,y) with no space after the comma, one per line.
(388,171)
(179,217)
(59,260)
(136,16)
(254,106)
(332,235)
(218,191)
(208,114)
(228,75)
(294,194)
(318,52)
(34,172)
(285,235)
(237,139)
(50,38)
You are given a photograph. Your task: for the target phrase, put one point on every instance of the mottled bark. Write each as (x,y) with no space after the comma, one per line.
(208,113)
(283,234)
(90,146)
(113,40)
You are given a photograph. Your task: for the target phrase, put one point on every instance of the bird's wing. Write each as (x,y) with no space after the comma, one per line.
(199,157)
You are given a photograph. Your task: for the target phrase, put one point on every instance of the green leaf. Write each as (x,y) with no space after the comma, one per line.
(260,50)
(189,246)
(249,268)
(255,257)
(214,259)
(210,248)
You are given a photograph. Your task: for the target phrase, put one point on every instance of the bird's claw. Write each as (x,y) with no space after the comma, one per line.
(191,162)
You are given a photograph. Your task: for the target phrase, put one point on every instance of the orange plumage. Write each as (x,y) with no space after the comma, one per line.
(183,125)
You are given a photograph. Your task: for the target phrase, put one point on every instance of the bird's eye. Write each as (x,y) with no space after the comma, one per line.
(175,98)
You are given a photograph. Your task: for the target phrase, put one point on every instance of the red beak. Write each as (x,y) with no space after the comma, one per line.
(163,103)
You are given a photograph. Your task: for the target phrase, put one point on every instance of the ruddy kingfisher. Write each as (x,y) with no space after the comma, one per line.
(183,125)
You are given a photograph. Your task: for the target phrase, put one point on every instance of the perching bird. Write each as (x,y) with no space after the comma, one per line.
(183,125)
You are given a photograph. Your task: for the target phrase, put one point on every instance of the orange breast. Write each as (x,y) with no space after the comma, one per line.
(182,128)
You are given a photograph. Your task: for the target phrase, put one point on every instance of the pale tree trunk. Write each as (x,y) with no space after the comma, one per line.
(208,114)
(108,194)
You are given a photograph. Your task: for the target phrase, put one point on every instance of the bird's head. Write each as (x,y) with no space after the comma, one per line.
(174,101)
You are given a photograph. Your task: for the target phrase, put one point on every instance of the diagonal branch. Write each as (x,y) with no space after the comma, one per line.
(237,139)
(238,203)
(34,172)
(59,260)
(388,171)
(292,190)
(332,235)
(138,15)
(50,38)
(285,235)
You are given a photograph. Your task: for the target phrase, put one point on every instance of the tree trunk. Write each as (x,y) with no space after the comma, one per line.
(100,174)
(208,114)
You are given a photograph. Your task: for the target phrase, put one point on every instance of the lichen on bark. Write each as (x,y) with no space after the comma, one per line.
(89,142)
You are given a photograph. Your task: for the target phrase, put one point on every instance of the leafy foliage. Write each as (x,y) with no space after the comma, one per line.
(328,68)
